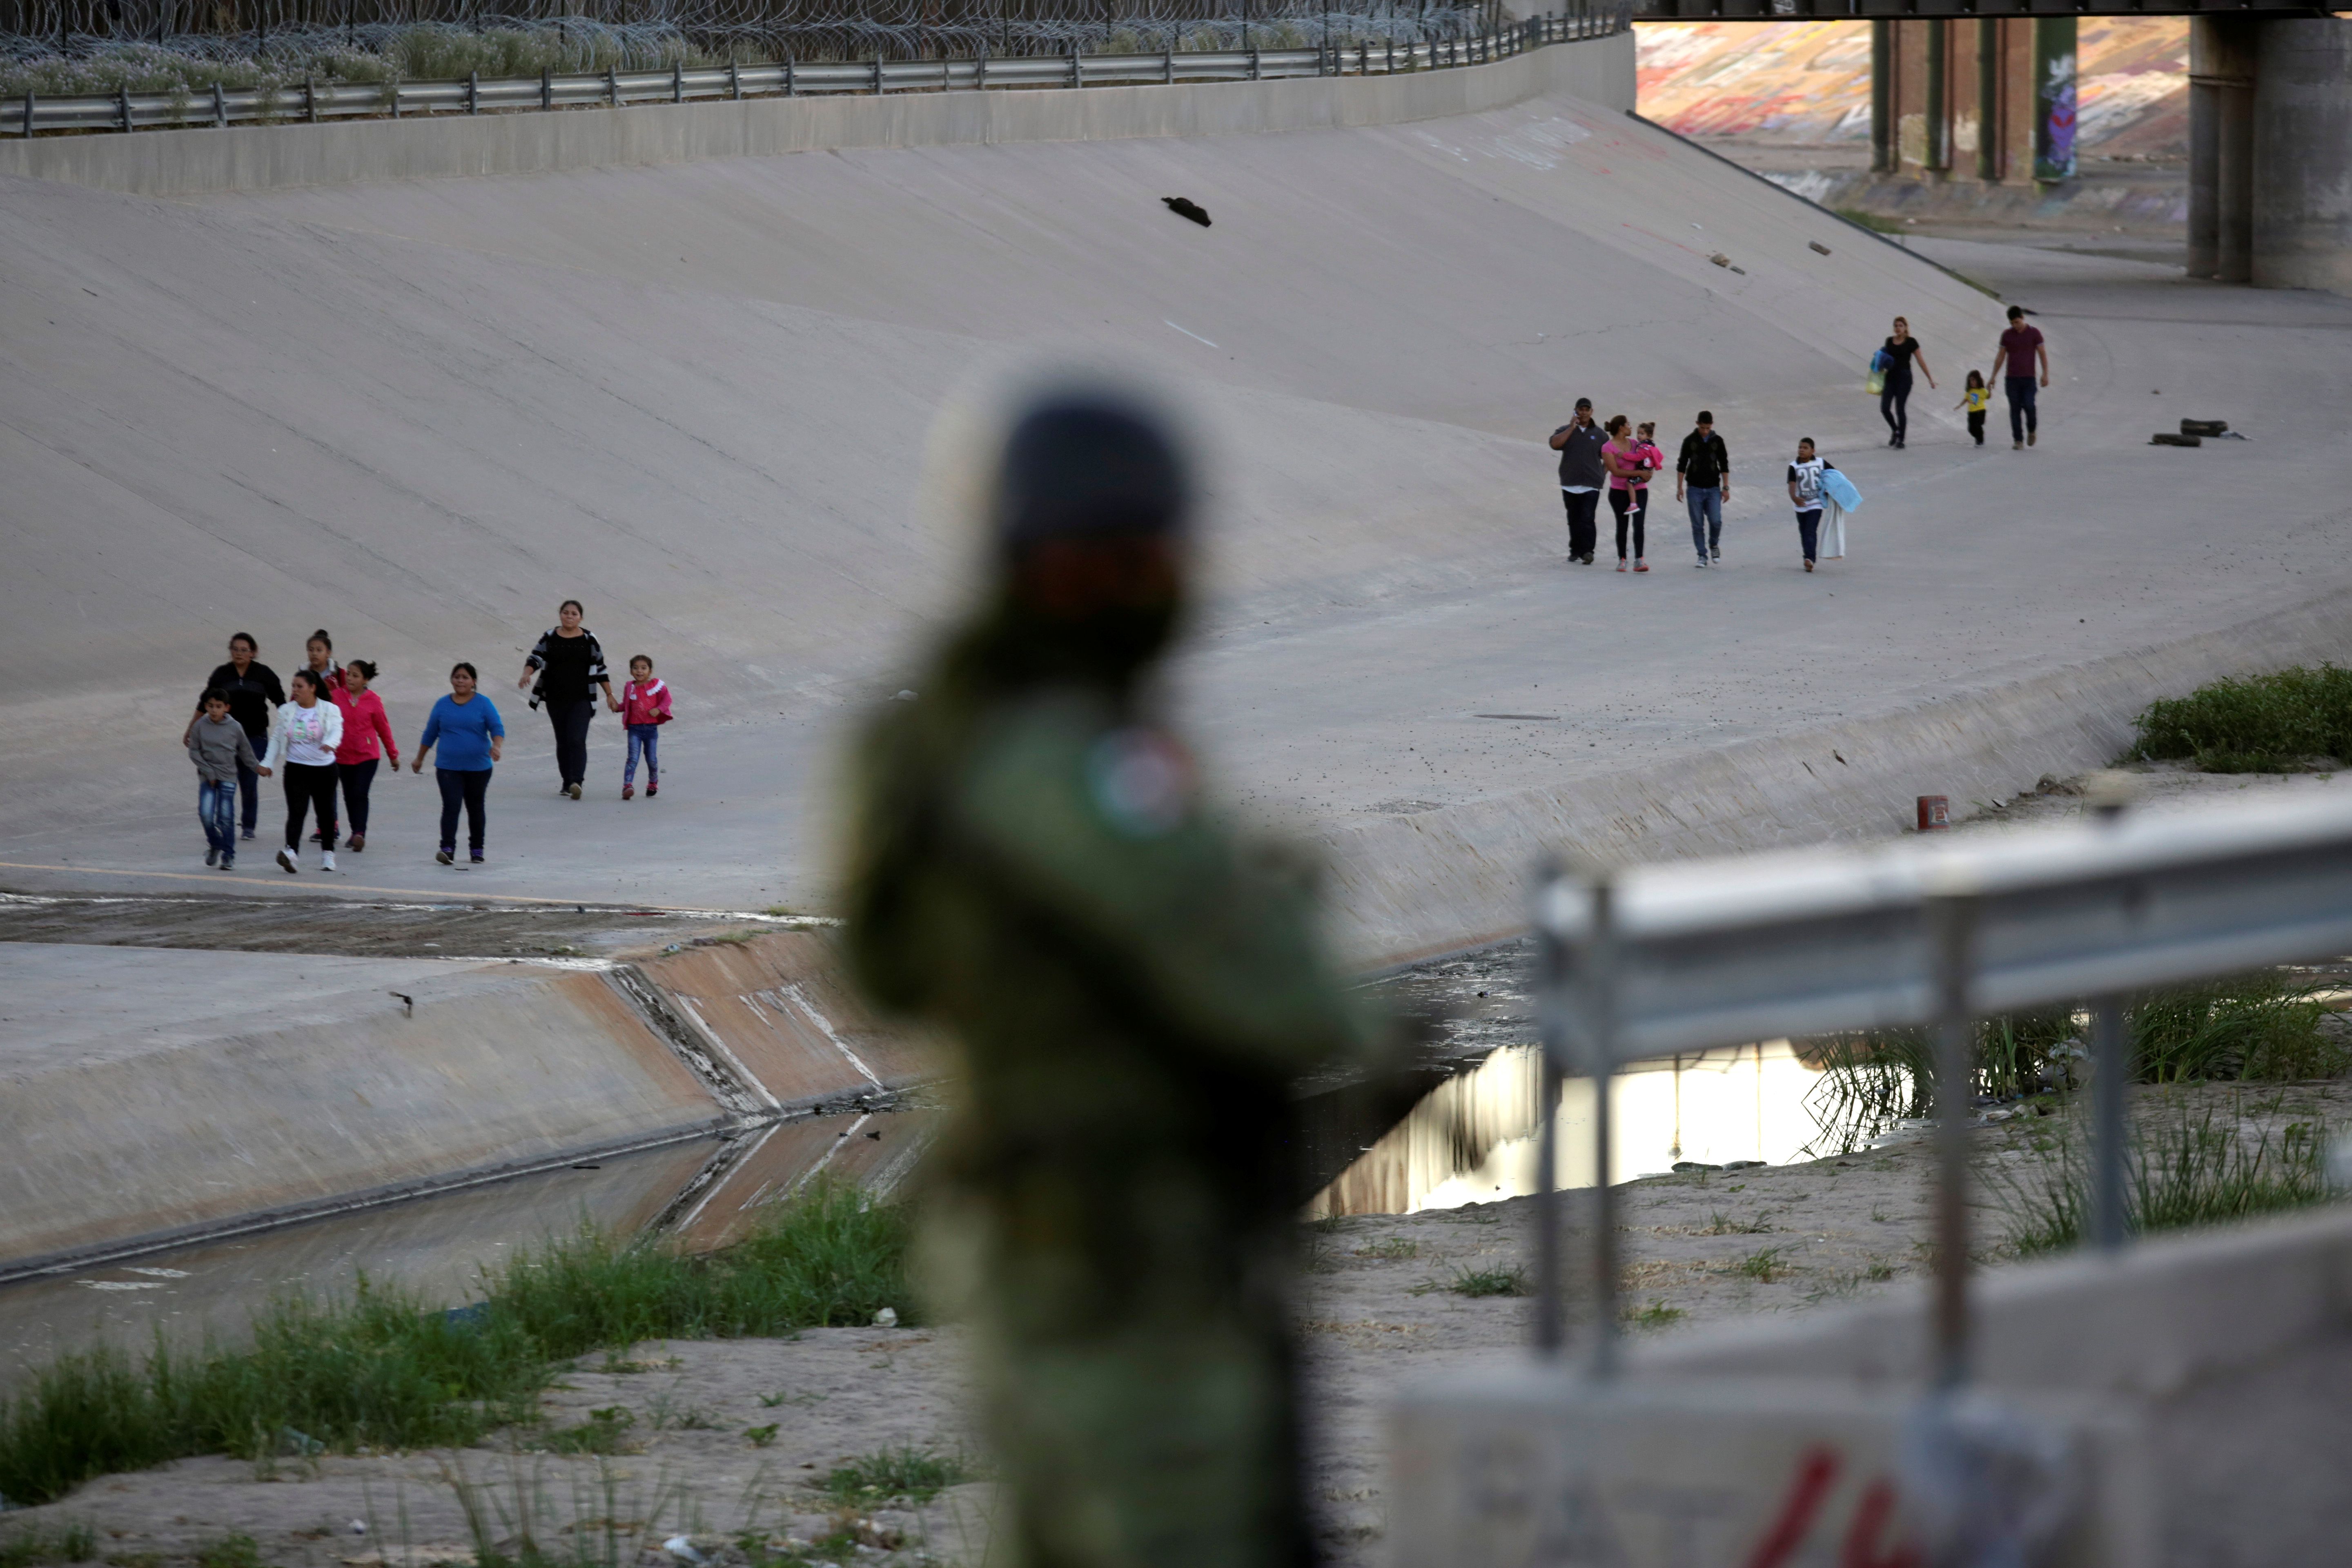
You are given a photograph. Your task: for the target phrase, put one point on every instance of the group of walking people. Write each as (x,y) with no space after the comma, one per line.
(1619,458)
(324,732)
(2022,351)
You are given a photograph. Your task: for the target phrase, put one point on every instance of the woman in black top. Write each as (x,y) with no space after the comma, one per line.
(253,694)
(568,663)
(1897,352)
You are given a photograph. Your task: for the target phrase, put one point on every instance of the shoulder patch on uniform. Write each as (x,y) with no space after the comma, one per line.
(1141,781)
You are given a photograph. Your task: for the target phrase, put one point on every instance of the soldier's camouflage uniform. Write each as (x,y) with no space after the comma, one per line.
(1132,992)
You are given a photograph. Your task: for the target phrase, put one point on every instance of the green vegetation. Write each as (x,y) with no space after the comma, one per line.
(1656,1315)
(229,1552)
(2262,724)
(2263,1026)
(606,1431)
(1392,1247)
(1871,221)
(2199,1168)
(74,1543)
(1512,1282)
(917,1474)
(1767,1266)
(1718,1224)
(382,1370)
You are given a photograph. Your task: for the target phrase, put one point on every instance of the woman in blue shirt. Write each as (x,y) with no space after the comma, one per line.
(471,737)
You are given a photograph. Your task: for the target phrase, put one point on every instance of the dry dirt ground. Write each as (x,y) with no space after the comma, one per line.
(1381,1304)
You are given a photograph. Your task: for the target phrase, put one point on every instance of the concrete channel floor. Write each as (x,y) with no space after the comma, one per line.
(1388,551)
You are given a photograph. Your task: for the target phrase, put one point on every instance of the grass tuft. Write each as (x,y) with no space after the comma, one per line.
(74,1541)
(1656,1315)
(380,1368)
(1766,1266)
(2260,723)
(917,1474)
(2197,1169)
(2262,1027)
(1478,1282)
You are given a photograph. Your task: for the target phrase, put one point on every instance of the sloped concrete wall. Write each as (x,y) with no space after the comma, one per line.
(147,1094)
(1410,886)
(269,157)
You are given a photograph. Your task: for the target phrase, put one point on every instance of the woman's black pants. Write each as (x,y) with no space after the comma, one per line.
(358,779)
(1893,405)
(468,787)
(1633,505)
(571,721)
(308,786)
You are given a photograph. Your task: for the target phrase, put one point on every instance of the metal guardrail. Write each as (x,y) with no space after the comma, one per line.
(1659,958)
(33,115)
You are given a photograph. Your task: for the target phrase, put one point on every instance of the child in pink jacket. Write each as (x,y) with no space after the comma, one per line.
(645,708)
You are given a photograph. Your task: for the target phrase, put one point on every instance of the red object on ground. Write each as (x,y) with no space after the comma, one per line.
(1935,813)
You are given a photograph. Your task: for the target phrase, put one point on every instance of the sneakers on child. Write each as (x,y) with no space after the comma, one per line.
(653,788)
(326,860)
(1717,554)
(212,856)
(286,858)
(476,857)
(228,863)
(446,857)
(573,790)
(1641,566)
(628,791)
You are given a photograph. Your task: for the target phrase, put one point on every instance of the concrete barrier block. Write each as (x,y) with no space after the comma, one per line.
(1512,1468)
(2169,1312)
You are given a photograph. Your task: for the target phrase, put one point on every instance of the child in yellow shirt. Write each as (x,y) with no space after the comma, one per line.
(1974,399)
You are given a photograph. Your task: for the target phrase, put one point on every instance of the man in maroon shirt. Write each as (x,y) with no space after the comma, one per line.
(2020,348)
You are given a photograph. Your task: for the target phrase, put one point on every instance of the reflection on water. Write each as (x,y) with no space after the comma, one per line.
(1472,1139)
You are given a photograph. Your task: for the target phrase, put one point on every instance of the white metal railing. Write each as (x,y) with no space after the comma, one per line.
(1676,957)
(311,102)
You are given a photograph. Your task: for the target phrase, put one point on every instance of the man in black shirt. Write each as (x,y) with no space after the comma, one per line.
(1703,483)
(1581,478)
(253,694)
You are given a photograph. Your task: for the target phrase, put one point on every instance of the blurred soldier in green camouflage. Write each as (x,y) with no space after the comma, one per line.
(1133,994)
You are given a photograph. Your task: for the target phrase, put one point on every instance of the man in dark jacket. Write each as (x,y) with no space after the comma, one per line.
(1581,478)
(1703,483)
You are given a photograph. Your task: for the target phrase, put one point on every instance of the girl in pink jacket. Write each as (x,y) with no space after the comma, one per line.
(367,738)
(645,708)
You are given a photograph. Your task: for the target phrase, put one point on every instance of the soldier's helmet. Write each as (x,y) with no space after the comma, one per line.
(1090,463)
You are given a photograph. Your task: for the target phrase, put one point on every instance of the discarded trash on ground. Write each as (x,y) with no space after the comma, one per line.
(1184,206)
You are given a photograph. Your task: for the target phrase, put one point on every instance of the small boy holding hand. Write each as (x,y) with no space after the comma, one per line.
(218,746)
(645,708)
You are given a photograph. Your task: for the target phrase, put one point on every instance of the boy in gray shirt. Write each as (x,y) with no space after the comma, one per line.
(217,745)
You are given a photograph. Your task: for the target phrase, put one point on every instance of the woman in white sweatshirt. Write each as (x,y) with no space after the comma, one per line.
(302,741)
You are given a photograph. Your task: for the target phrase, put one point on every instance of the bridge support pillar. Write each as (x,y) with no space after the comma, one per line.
(1949,103)
(2300,170)
(2270,152)
(2221,64)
